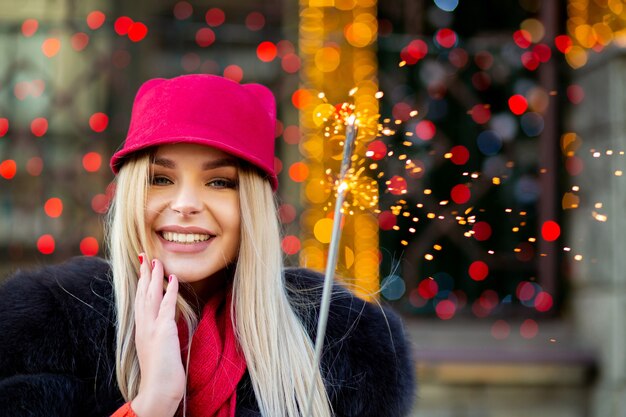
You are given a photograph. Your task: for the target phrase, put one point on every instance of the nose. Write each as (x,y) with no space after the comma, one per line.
(185,201)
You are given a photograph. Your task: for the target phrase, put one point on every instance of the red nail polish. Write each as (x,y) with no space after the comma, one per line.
(140,259)
(169,279)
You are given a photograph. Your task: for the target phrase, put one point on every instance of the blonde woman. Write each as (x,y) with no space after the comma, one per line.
(194,313)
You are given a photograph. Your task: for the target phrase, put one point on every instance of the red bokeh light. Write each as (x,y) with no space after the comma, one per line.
(39,126)
(445,309)
(215,17)
(543,302)
(46,244)
(301,98)
(205,37)
(291,134)
(8,169)
(233,72)
(446,37)
(53,207)
(522,38)
(4,126)
(529,329)
(376,150)
(182,10)
(575,94)
(34,166)
(266,51)
(428,288)
(286,213)
(550,230)
(290,244)
(92,161)
(460,155)
(100,203)
(482,231)
(50,47)
(563,43)
(500,330)
(122,25)
(397,185)
(89,246)
(255,21)
(478,270)
(518,104)
(425,130)
(530,61)
(98,122)
(460,194)
(386,220)
(79,41)
(137,31)
(480,113)
(543,52)
(298,171)
(525,291)
(29,27)
(291,63)
(95,19)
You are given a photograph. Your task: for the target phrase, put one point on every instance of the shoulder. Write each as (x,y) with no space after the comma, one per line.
(54,309)
(367,360)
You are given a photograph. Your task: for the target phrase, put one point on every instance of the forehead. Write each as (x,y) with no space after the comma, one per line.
(191,151)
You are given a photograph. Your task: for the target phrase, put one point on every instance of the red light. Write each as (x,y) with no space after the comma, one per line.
(233,72)
(255,21)
(298,171)
(543,302)
(445,309)
(100,203)
(386,220)
(215,17)
(376,150)
(446,38)
(482,231)
(29,27)
(34,166)
(397,185)
(460,155)
(98,122)
(50,47)
(518,104)
(266,51)
(428,288)
(543,52)
(563,43)
(39,126)
(183,10)
(137,31)
(95,19)
(478,270)
(291,63)
(92,161)
(122,24)
(401,111)
(89,246)
(500,330)
(460,194)
(291,134)
(290,245)
(4,126)
(8,169)
(79,41)
(522,38)
(301,98)
(53,207)
(529,329)
(550,230)
(480,114)
(205,37)
(45,244)
(574,165)
(286,213)
(530,61)
(575,94)
(425,130)
(525,291)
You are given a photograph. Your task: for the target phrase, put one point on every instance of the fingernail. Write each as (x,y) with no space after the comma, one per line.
(140,259)
(153,262)
(169,279)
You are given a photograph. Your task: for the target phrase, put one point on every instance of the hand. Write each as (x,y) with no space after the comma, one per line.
(156,337)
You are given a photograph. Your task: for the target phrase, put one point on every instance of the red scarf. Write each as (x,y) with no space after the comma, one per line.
(216,365)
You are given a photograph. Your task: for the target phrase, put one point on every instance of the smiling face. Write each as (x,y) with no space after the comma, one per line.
(192,212)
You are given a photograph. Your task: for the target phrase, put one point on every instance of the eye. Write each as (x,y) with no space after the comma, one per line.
(160,180)
(222,183)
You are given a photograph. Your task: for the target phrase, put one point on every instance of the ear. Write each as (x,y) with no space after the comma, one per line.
(265,97)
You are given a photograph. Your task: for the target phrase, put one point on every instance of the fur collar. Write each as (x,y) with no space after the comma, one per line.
(58,337)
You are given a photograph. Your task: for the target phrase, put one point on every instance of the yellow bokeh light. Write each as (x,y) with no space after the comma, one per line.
(323,230)
(535,28)
(327,59)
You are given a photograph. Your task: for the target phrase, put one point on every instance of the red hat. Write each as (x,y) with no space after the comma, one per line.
(239,119)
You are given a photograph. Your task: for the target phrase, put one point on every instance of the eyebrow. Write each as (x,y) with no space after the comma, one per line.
(208,165)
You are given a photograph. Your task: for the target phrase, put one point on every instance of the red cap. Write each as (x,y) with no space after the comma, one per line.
(239,119)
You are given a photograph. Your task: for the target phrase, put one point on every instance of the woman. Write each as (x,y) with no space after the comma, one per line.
(194,313)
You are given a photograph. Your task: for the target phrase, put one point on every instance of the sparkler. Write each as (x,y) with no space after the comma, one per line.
(351,133)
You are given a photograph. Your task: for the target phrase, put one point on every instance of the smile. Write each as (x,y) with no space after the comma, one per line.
(185,237)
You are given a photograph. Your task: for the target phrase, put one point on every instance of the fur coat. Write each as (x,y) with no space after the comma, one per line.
(57,344)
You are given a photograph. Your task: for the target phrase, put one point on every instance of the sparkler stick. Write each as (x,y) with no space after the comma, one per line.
(351,132)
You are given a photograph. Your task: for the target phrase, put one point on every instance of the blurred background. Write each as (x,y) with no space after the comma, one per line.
(486,200)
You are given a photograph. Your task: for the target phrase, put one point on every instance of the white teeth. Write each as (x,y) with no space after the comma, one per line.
(185,237)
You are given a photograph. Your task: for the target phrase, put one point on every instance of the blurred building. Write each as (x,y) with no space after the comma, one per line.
(485,202)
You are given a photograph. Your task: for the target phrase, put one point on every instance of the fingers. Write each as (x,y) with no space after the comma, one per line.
(168,305)
(150,299)
(154,293)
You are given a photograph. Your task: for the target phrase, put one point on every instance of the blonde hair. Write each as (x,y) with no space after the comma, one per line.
(276,346)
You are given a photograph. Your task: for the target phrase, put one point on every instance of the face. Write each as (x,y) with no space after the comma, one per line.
(192,212)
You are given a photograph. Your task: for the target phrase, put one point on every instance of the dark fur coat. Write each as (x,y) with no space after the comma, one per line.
(57,340)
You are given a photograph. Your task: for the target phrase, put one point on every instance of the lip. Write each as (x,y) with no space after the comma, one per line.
(184,247)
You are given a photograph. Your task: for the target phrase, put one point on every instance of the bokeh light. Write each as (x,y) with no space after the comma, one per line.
(53,207)
(89,246)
